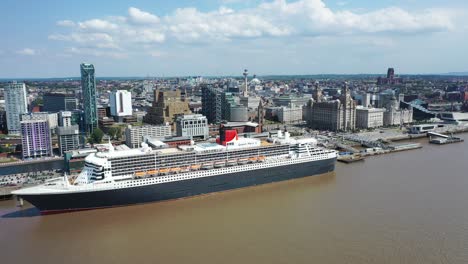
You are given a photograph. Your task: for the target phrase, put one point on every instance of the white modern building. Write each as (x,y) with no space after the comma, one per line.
(120,103)
(195,126)
(134,134)
(52,118)
(15,105)
(369,117)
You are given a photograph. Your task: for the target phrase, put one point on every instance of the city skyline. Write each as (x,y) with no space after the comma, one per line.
(217,38)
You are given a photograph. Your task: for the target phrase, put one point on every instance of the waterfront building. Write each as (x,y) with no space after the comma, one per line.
(288,115)
(394,115)
(36,139)
(67,133)
(369,117)
(166,105)
(134,134)
(15,105)
(194,126)
(88,86)
(56,102)
(52,118)
(336,115)
(120,104)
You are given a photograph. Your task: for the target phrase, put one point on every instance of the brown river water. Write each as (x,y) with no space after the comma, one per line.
(407,207)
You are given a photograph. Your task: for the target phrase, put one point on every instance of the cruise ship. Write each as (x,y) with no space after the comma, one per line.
(134,176)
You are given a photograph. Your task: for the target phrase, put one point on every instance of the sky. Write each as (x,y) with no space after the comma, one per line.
(50,38)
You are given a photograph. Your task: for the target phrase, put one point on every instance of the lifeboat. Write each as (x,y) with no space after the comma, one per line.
(253,159)
(152,172)
(261,159)
(140,174)
(195,167)
(219,164)
(185,169)
(243,161)
(231,163)
(163,171)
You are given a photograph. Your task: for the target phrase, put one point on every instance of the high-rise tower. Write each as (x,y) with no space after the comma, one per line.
(88,86)
(15,105)
(246,73)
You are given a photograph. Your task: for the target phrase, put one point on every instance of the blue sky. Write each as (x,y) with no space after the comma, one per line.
(49,38)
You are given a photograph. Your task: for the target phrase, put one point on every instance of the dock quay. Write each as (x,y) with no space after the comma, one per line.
(350,158)
(441,139)
(390,149)
(5,192)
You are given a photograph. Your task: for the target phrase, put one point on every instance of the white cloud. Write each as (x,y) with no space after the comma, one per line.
(98,40)
(141,17)
(26,51)
(98,25)
(66,23)
(96,53)
(275,19)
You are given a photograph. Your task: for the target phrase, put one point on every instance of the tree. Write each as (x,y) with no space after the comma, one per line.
(96,136)
(115,132)
(4,149)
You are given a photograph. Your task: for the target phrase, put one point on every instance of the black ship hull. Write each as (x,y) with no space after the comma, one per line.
(75,201)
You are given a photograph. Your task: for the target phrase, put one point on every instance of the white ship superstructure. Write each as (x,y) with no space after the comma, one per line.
(203,163)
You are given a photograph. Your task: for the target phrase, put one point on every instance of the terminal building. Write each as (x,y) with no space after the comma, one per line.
(134,134)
